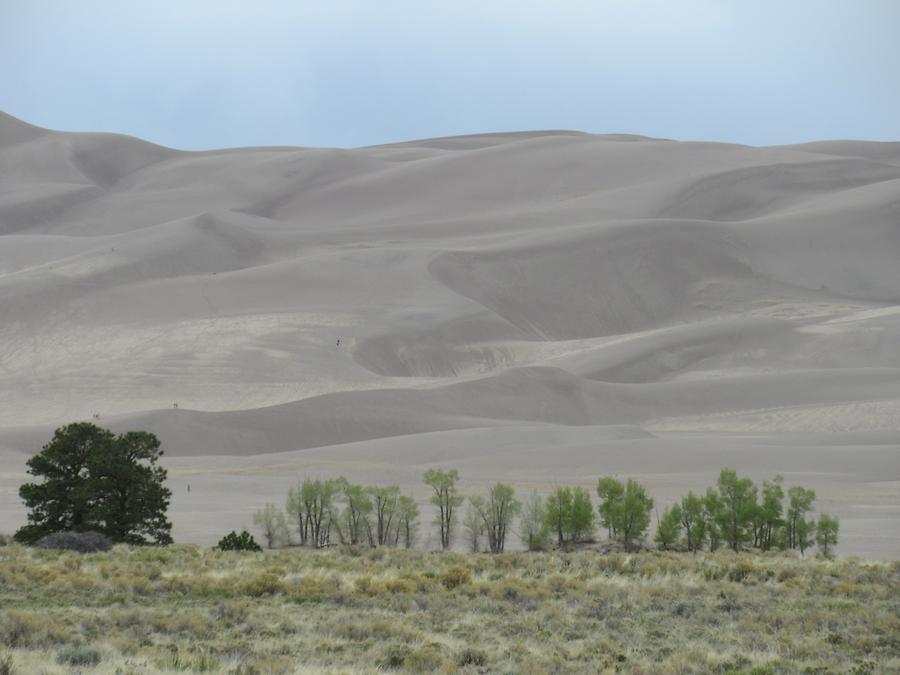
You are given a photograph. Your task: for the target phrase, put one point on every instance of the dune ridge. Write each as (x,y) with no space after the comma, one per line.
(545,292)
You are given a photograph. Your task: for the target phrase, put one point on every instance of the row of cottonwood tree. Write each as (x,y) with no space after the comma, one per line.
(94,480)
(735,513)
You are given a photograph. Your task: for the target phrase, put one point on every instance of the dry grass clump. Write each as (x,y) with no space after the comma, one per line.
(183,608)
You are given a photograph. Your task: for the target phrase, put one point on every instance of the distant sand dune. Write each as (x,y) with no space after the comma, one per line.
(535,306)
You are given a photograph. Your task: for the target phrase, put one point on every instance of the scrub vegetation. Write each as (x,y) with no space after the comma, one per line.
(362,610)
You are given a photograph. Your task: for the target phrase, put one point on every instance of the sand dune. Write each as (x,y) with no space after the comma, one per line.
(533,306)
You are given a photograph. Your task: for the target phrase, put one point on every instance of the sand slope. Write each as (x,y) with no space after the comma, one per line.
(537,306)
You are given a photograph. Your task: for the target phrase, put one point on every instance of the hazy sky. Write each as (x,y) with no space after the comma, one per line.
(213,73)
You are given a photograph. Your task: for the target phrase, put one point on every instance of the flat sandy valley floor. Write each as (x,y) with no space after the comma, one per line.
(539,308)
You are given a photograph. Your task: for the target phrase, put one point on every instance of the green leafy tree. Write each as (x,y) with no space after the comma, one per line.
(827,534)
(271,522)
(611,492)
(294,508)
(624,510)
(634,515)
(693,521)
(712,508)
(354,525)
(385,501)
(668,532)
(800,501)
(559,513)
(581,522)
(806,534)
(94,480)
(473,526)
(318,498)
(738,507)
(497,511)
(447,499)
(570,515)
(407,521)
(533,523)
(771,513)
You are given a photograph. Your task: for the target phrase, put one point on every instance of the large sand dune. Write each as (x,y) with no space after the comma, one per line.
(536,307)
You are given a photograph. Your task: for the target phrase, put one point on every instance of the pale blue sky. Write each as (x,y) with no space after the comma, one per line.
(215,73)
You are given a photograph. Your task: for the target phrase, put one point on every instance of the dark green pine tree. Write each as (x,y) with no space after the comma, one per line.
(94,480)
(64,500)
(132,499)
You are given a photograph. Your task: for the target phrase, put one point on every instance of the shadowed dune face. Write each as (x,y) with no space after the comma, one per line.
(534,307)
(611,281)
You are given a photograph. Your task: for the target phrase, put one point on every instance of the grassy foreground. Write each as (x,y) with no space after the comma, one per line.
(184,608)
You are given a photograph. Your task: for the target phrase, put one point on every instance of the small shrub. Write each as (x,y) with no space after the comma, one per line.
(78,656)
(31,630)
(262,584)
(233,612)
(425,659)
(395,656)
(472,657)
(203,662)
(399,586)
(741,571)
(712,572)
(456,576)
(364,585)
(238,542)
(763,670)
(82,542)
(786,573)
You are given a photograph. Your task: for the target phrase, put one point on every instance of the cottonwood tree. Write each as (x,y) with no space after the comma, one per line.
(827,534)
(354,526)
(625,510)
(634,518)
(310,506)
(296,512)
(407,521)
(94,480)
(581,523)
(385,501)
(570,515)
(497,512)
(668,531)
(610,492)
(737,507)
(693,521)
(322,512)
(800,502)
(446,498)
(771,513)
(712,507)
(806,534)
(533,523)
(271,522)
(473,526)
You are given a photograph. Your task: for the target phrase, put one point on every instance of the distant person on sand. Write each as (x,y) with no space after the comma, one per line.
(338,344)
